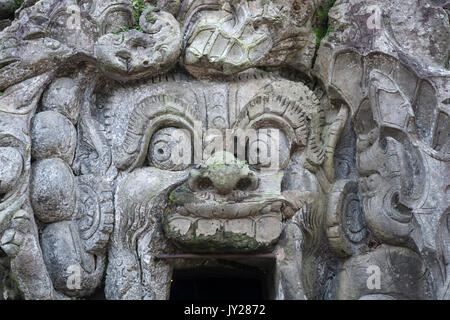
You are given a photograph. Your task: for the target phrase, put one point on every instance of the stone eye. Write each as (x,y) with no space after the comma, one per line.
(270,149)
(170,149)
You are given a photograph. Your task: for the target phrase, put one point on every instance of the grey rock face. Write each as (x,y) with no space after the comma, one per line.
(6,8)
(61,246)
(52,190)
(133,54)
(11,168)
(225,127)
(63,96)
(408,282)
(238,35)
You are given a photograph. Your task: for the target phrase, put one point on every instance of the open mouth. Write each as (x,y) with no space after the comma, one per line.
(239,221)
(193,15)
(215,210)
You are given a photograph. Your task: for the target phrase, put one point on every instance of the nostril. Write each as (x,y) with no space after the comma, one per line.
(204,183)
(243,184)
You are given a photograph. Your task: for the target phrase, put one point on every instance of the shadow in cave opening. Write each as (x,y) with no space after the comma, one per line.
(221,283)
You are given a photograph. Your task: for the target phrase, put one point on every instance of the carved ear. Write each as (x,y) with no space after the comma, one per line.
(94,212)
(323,140)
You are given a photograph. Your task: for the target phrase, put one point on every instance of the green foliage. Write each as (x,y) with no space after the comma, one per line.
(323,29)
(139,6)
(1,93)
(17,4)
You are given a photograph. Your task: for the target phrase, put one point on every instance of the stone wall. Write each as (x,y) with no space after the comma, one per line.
(315,132)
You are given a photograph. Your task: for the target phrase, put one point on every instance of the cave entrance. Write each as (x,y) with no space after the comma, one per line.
(229,281)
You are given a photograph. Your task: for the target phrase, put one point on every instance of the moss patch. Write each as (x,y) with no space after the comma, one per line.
(11,286)
(322,28)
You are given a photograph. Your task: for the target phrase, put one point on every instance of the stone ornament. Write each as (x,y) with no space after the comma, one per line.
(313,130)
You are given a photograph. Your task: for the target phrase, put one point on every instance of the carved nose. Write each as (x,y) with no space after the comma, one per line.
(223,177)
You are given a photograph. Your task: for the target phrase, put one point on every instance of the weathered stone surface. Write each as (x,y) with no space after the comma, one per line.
(239,35)
(66,260)
(53,136)
(6,8)
(63,96)
(11,165)
(52,190)
(133,54)
(94,212)
(316,130)
(405,275)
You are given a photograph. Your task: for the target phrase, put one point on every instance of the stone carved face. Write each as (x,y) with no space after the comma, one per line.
(224,197)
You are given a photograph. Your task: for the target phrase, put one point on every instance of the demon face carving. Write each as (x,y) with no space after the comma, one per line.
(221,175)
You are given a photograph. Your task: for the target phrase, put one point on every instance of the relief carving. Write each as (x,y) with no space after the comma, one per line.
(141,138)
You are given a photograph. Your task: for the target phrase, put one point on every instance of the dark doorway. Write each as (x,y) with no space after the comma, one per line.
(213,283)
